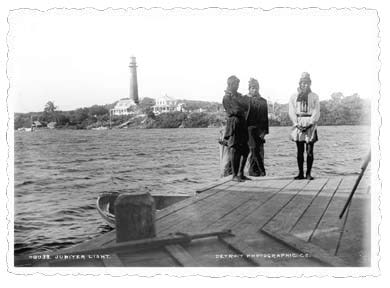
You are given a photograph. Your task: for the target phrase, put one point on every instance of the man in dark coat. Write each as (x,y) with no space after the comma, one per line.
(236,134)
(257,122)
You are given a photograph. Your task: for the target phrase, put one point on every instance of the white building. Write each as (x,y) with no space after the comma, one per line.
(271,110)
(36,124)
(51,125)
(181,107)
(167,104)
(125,106)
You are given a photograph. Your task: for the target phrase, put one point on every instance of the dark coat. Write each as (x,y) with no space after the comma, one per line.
(257,119)
(258,113)
(236,107)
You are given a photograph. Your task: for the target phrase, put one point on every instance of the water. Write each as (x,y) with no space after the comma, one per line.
(59,173)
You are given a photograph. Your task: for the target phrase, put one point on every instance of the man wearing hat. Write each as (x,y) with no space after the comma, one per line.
(236,133)
(304,112)
(257,122)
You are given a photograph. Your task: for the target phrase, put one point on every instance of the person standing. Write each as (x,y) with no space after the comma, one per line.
(224,154)
(304,112)
(257,122)
(236,133)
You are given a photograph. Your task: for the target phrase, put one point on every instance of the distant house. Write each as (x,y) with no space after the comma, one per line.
(167,104)
(51,125)
(36,124)
(181,107)
(199,110)
(125,106)
(272,112)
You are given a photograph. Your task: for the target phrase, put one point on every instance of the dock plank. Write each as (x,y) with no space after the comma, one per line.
(245,250)
(364,184)
(263,250)
(214,184)
(362,190)
(305,247)
(205,216)
(196,210)
(262,214)
(327,234)
(347,185)
(355,243)
(261,244)
(231,219)
(181,256)
(266,185)
(305,226)
(213,252)
(198,197)
(293,211)
(193,212)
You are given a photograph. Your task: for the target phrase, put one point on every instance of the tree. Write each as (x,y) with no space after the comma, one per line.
(62,119)
(22,120)
(97,110)
(146,105)
(197,120)
(50,107)
(169,120)
(49,112)
(337,97)
(78,116)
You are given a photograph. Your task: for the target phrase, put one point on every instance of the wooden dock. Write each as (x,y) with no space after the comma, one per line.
(273,222)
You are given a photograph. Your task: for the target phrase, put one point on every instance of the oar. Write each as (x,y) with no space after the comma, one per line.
(363,169)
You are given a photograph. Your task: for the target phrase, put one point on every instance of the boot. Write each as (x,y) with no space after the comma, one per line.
(242,167)
(235,160)
(309,166)
(300,167)
(253,166)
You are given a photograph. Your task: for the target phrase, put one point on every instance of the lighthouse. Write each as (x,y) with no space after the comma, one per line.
(133,80)
(129,106)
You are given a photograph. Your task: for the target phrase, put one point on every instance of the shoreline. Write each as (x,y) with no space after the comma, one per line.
(149,128)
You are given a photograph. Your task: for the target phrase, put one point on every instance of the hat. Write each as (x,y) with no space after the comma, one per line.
(253,83)
(305,77)
(232,80)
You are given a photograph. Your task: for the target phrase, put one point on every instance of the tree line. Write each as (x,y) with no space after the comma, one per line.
(338,110)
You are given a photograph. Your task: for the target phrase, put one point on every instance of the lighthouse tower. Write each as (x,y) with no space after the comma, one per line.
(133,80)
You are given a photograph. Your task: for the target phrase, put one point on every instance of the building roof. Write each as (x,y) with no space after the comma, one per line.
(51,124)
(125,103)
(166,97)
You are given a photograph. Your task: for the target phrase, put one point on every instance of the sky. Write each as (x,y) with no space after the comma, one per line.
(80,58)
